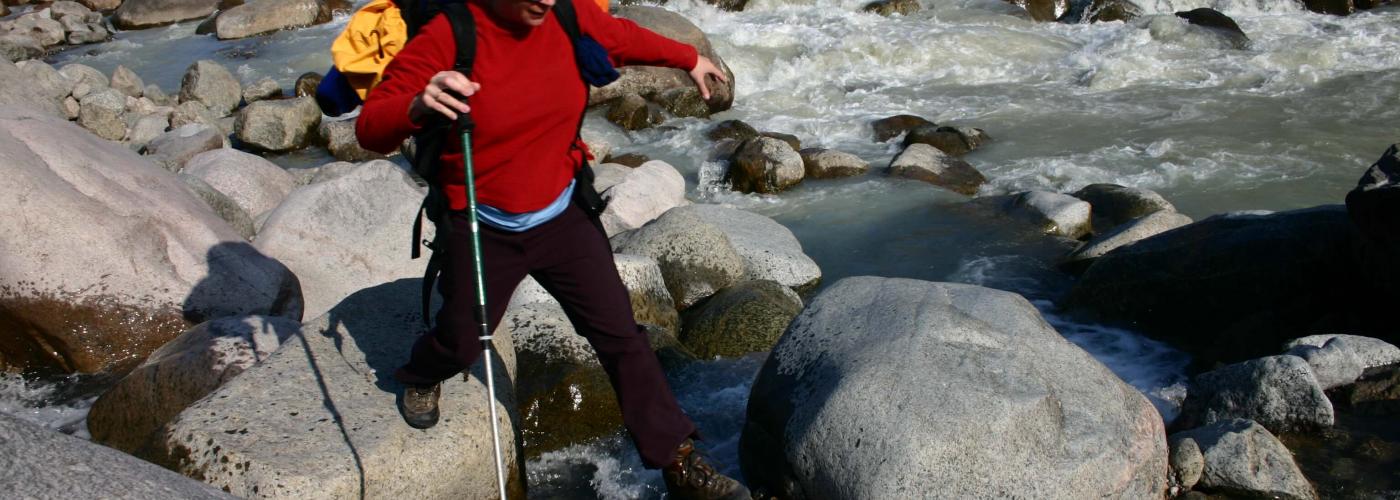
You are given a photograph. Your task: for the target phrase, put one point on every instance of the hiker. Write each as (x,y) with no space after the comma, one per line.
(527,98)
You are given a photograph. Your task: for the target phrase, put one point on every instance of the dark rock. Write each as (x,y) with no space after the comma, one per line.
(342,143)
(1115,205)
(1279,392)
(1050,213)
(790,139)
(306,84)
(949,140)
(729,5)
(1042,10)
(633,160)
(1334,7)
(683,102)
(765,165)
(1373,206)
(651,81)
(889,128)
(891,7)
(632,112)
(1241,458)
(926,163)
(746,317)
(1150,225)
(1101,11)
(731,129)
(1218,23)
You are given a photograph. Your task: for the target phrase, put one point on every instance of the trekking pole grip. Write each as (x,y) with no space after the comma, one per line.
(465,122)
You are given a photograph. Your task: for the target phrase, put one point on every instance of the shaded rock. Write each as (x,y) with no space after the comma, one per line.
(949,140)
(1150,225)
(1187,462)
(1241,457)
(346,234)
(1043,10)
(632,112)
(632,160)
(257,17)
(342,143)
(222,205)
(71,108)
(212,85)
(1372,206)
(891,7)
(1051,213)
(1101,11)
(791,140)
(731,129)
(331,428)
(819,163)
(597,144)
(1334,7)
(145,130)
(173,149)
(729,5)
(926,163)
(1218,23)
(651,81)
(765,165)
(127,82)
(179,373)
(40,463)
(18,47)
(158,96)
(683,102)
(770,251)
(1279,392)
(696,258)
(1334,364)
(1115,205)
(150,255)
(746,317)
(306,84)
(265,88)
(608,175)
(1228,287)
(277,126)
(80,32)
(101,113)
(889,128)
(25,85)
(142,14)
(885,386)
(1371,352)
(255,184)
(643,195)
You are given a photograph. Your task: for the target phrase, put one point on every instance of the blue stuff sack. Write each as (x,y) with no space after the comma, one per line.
(335,96)
(593,62)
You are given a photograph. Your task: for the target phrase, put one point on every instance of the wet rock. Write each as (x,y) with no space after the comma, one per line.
(255,184)
(1375,394)
(101,112)
(24,85)
(731,129)
(19,47)
(1279,392)
(632,112)
(346,234)
(683,102)
(791,140)
(1042,10)
(770,251)
(1242,458)
(211,85)
(257,17)
(1334,364)
(330,429)
(1051,213)
(1101,11)
(949,140)
(630,160)
(646,290)
(83,74)
(565,397)
(173,149)
(265,88)
(969,382)
(1227,288)
(48,32)
(145,130)
(926,163)
(142,14)
(222,205)
(151,255)
(278,126)
(746,317)
(729,5)
(1334,7)
(1371,352)
(1218,23)
(40,463)
(306,84)
(1115,205)
(1372,206)
(819,163)
(179,373)
(765,165)
(342,143)
(1150,225)
(889,128)
(696,258)
(1187,462)
(643,195)
(891,7)
(649,81)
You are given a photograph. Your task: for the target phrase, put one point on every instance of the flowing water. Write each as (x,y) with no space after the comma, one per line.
(1290,121)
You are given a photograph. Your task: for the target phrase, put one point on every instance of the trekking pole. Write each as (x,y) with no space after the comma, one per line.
(464,122)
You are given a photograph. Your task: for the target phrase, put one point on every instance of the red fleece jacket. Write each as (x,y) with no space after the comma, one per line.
(527,110)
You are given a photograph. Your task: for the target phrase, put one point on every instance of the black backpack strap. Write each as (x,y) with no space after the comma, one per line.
(464,32)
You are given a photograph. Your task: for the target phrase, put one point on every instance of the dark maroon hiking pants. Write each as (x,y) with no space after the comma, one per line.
(571,258)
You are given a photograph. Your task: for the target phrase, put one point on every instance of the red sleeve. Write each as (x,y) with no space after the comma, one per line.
(629,43)
(383,123)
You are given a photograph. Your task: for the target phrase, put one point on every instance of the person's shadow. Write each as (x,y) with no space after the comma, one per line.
(242,281)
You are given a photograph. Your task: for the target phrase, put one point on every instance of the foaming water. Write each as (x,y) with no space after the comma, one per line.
(56,405)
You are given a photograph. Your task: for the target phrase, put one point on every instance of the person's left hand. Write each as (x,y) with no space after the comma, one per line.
(704,67)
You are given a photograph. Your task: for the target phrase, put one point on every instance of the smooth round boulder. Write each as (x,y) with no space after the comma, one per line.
(641,196)
(820,163)
(212,85)
(257,17)
(265,88)
(222,206)
(770,251)
(278,126)
(33,84)
(1186,461)
(652,80)
(633,112)
(746,317)
(891,127)
(172,149)
(179,373)
(1279,392)
(342,143)
(255,184)
(1050,213)
(346,234)
(885,386)
(1334,364)
(926,163)
(949,140)
(148,255)
(1115,205)
(1240,457)
(696,257)
(1372,352)
(765,165)
(142,14)
(1217,23)
(101,112)
(1122,235)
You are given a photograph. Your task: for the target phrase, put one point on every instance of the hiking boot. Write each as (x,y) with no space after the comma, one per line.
(420,405)
(692,477)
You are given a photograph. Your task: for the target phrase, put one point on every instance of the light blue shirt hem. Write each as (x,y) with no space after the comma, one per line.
(516,223)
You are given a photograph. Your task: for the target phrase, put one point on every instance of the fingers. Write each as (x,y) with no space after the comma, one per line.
(447,92)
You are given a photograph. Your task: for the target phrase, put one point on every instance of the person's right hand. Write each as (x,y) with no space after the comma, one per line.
(445,94)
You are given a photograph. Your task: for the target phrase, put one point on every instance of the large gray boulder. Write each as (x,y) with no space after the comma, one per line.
(1049,213)
(257,17)
(641,196)
(696,258)
(257,185)
(765,165)
(1334,364)
(649,81)
(278,126)
(210,84)
(141,255)
(1372,352)
(317,419)
(1241,458)
(884,388)
(1234,286)
(342,143)
(346,234)
(42,77)
(81,74)
(18,89)
(770,251)
(40,463)
(1279,392)
(747,317)
(926,163)
(174,148)
(179,373)
(222,205)
(101,112)
(142,14)
(1122,235)
(1115,205)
